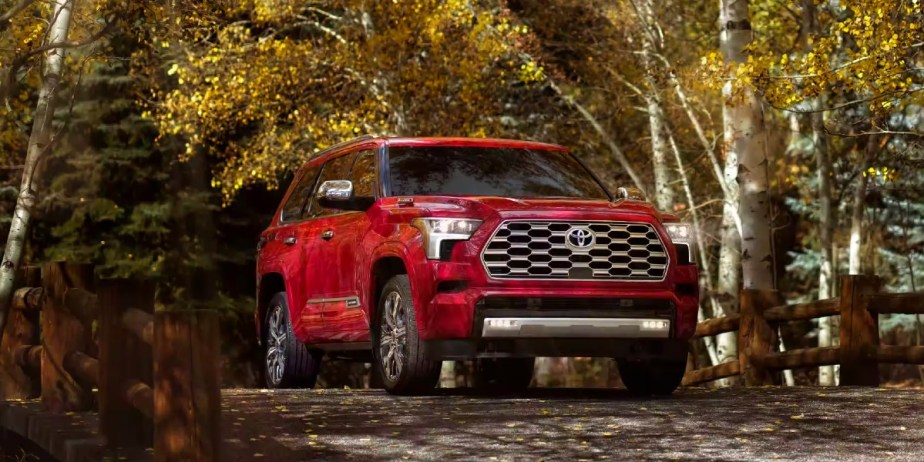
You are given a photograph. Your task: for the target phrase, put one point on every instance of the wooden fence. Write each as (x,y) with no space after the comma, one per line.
(78,342)
(859,354)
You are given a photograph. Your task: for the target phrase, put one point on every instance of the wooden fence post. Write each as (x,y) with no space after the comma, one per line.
(859,331)
(187,395)
(62,333)
(21,329)
(124,360)
(756,338)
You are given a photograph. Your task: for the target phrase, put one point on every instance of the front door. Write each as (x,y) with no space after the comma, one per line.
(344,235)
(331,258)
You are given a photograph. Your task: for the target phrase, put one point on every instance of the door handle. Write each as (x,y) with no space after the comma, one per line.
(327,235)
(291,240)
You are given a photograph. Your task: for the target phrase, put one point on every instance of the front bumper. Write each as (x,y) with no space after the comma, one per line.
(549,327)
(460,313)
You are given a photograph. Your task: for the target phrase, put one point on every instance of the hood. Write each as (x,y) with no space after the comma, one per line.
(483,206)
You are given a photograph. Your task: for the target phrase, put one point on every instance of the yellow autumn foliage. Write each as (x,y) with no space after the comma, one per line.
(262,84)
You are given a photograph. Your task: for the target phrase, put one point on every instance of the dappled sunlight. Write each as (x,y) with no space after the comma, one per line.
(592,424)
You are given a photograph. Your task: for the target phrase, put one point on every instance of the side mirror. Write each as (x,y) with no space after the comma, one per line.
(335,193)
(630,193)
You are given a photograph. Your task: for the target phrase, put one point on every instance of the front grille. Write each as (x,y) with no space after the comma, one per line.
(575,251)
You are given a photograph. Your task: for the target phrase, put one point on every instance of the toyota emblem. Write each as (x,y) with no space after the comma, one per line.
(580,238)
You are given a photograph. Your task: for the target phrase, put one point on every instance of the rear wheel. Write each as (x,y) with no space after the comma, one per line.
(504,375)
(287,362)
(397,347)
(660,377)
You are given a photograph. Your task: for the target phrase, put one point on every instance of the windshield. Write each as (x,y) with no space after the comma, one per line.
(488,171)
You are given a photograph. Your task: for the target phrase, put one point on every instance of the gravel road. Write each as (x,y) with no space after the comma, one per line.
(823,424)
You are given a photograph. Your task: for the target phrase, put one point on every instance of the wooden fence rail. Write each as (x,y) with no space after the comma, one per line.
(79,343)
(859,354)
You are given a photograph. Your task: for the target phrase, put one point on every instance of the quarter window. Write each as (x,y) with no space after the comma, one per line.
(363,175)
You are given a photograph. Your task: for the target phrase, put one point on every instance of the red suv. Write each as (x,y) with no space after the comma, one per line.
(409,251)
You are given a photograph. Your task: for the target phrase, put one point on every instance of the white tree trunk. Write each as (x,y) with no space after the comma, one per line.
(705,277)
(859,206)
(826,218)
(729,270)
(448,375)
(40,140)
(744,136)
(663,188)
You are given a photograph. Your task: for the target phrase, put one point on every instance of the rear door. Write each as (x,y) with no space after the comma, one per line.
(284,250)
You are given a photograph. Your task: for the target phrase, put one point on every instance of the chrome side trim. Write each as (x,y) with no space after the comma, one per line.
(575,328)
(351,301)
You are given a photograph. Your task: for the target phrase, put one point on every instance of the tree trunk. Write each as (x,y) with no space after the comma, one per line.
(448,374)
(663,190)
(826,218)
(729,271)
(859,206)
(40,141)
(826,376)
(745,139)
(705,276)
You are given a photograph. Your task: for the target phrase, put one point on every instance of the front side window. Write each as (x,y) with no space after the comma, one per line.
(489,171)
(334,169)
(294,207)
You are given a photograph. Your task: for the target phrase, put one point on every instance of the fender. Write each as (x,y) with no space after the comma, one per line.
(415,262)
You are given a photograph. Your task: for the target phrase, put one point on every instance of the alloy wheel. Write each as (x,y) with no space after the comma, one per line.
(393,336)
(277,332)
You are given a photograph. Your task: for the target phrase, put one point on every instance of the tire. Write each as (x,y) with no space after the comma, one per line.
(504,375)
(643,378)
(287,363)
(397,348)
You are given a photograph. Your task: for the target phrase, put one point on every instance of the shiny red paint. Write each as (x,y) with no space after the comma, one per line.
(317,269)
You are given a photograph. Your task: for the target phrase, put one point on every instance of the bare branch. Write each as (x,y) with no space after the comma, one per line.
(607,138)
(8,16)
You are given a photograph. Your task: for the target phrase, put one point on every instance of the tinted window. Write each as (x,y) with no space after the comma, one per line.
(334,169)
(479,171)
(295,204)
(363,175)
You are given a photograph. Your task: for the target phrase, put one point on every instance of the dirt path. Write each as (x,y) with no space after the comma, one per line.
(555,424)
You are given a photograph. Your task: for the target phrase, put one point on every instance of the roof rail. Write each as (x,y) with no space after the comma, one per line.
(344,144)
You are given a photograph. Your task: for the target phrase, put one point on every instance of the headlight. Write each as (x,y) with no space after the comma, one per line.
(679,232)
(681,235)
(438,230)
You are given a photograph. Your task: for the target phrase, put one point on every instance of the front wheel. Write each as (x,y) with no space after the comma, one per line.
(397,347)
(652,377)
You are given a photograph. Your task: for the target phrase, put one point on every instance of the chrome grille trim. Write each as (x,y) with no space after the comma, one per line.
(537,250)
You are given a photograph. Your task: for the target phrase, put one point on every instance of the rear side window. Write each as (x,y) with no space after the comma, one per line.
(363,175)
(334,169)
(294,207)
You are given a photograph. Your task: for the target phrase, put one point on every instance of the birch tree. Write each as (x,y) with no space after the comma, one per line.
(746,151)
(651,40)
(826,212)
(41,141)
(854,265)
